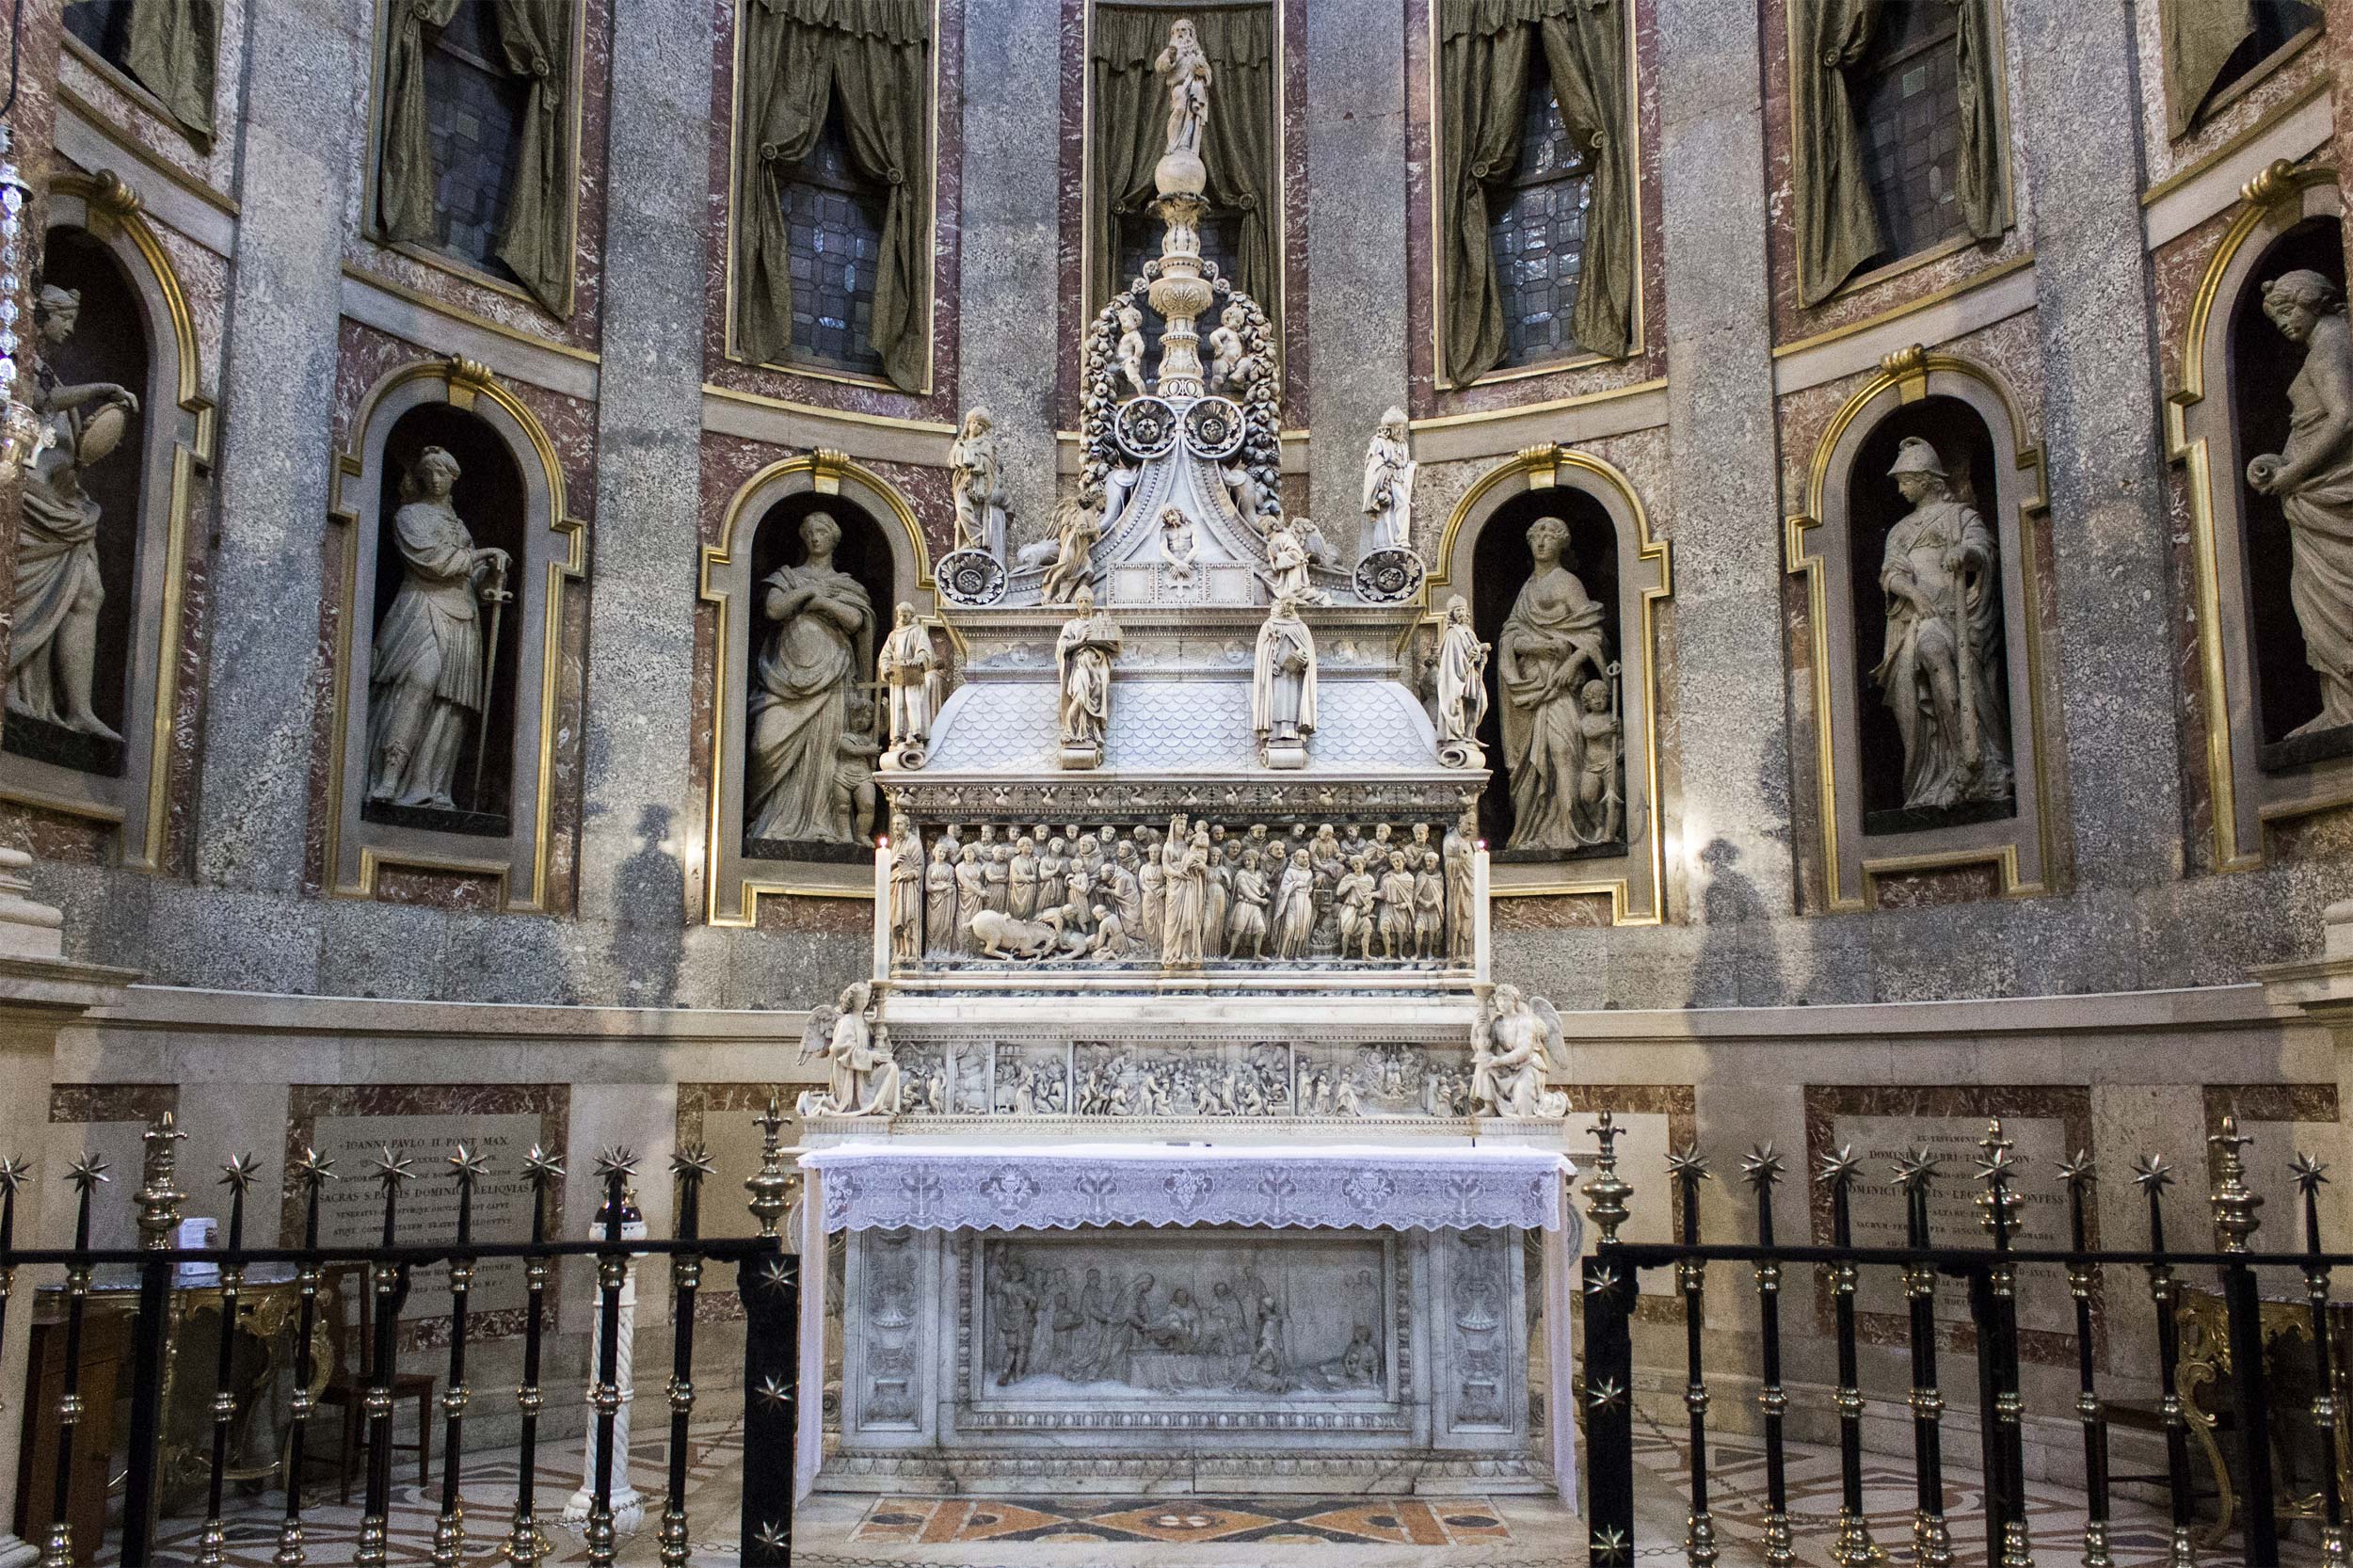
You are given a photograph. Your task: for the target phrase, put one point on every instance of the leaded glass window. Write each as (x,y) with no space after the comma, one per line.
(833,222)
(476,109)
(104,26)
(1538,232)
(1911,105)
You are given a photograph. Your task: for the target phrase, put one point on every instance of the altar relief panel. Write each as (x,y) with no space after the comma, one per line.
(2267,363)
(459,554)
(102,541)
(1918,550)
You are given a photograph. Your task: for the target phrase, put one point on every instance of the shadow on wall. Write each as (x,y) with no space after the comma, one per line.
(1732,914)
(647,953)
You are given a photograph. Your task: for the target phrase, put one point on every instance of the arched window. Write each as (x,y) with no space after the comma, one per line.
(1538,235)
(1920,549)
(834,220)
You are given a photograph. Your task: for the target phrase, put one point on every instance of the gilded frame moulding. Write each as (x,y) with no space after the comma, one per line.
(931,277)
(2201,436)
(173,452)
(1638,338)
(734,882)
(445,262)
(554,542)
(1635,881)
(2019,848)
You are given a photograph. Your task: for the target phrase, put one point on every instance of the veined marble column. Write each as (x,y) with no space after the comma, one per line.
(278,382)
(1355,239)
(1006,313)
(2080,116)
(639,826)
(1733,724)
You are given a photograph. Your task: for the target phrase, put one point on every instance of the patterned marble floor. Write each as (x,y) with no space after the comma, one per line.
(1031,1531)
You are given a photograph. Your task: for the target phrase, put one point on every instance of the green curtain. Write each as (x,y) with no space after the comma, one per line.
(2200,37)
(534,39)
(1837,228)
(1238,145)
(534,35)
(1486,49)
(799,57)
(171,52)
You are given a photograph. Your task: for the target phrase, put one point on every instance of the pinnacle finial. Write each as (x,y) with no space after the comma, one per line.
(238,1171)
(1761,1168)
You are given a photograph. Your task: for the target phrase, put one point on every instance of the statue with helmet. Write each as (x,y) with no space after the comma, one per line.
(1940,674)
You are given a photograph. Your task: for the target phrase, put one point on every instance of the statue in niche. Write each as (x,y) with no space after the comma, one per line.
(2313,481)
(1459,853)
(1287,559)
(1185,857)
(1552,642)
(863,1076)
(425,680)
(1516,1043)
(1941,673)
(1184,72)
(52,647)
(907,871)
(1083,656)
(1460,668)
(1078,525)
(911,675)
(1388,497)
(977,479)
(1282,681)
(796,784)
(1131,346)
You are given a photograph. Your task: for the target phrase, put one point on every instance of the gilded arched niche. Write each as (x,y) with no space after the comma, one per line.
(99,572)
(497,761)
(1560,814)
(796,728)
(1925,653)
(2274,749)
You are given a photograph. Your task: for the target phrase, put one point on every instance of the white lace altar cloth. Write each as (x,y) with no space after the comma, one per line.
(908,1184)
(932,1185)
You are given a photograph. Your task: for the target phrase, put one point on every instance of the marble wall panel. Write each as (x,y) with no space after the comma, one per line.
(2281,1120)
(105,1121)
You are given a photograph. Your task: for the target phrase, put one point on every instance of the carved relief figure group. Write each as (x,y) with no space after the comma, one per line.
(1194,893)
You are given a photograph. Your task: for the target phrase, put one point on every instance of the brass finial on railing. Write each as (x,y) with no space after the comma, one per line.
(1607,1193)
(2234,1203)
(159,1199)
(2311,1177)
(1997,1205)
(771,1186)
(314,1169)
(2152,1175)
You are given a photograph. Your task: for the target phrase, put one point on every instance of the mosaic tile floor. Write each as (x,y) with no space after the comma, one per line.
(1025,1530)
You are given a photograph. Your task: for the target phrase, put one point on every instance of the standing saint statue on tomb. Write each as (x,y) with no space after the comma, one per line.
(52,641)
(1082,658)
(1388,499)
(801,697)
(426,677)
(911,679)
(1460,668)
(1184,72)
(1283,678)
(1942,670)
(2314,482)
(977,476)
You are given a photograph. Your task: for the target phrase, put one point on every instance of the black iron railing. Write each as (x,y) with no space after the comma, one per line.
(1991,1276)
(768,1281)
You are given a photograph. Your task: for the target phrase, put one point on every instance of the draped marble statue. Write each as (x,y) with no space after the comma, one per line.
(1940,674)
(1185,859)
(802,751)
(1461,668)
(976,474)
(1082,659)
(1076,527)
(911,677)
(1388,498)
(1554,640)
(1287,556)
(1184,72)
(1283,686)
(1516,1043)
(53,644)
(2314,482)
(863,1076)
(426,685)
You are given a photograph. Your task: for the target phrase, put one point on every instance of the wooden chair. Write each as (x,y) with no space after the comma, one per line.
(347,1383)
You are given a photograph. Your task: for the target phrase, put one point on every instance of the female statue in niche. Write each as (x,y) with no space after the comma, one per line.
(425,680)
(1552,643)
(2314,480)
(801,699)
(1941,673)
(53,648)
